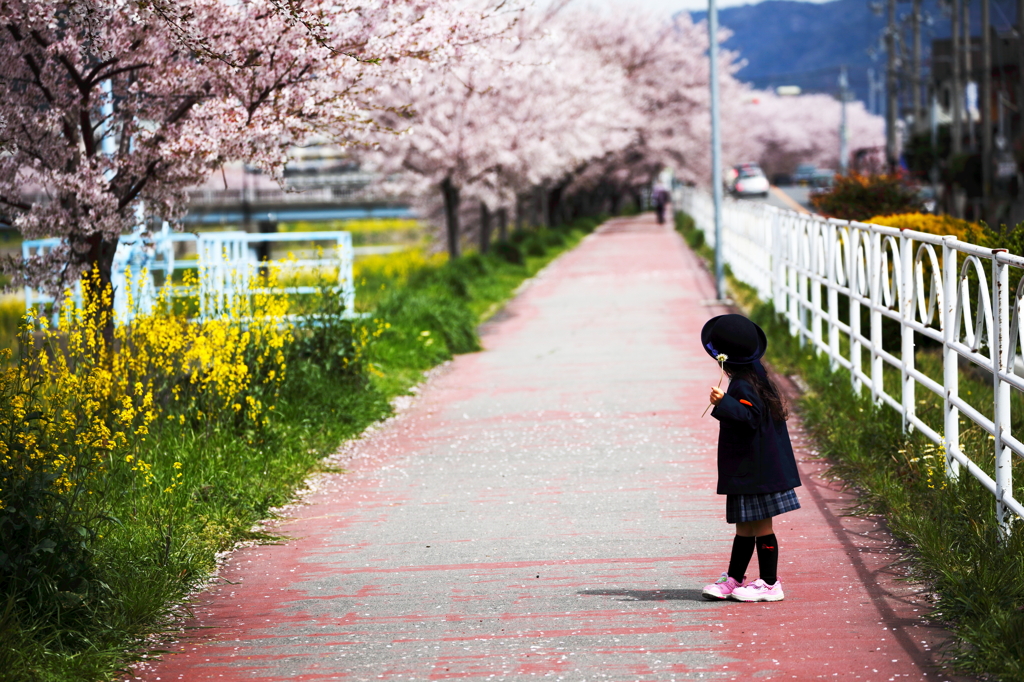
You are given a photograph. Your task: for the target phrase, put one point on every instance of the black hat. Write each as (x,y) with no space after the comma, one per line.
(736,337)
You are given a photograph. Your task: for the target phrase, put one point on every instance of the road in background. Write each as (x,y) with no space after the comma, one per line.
(792,197)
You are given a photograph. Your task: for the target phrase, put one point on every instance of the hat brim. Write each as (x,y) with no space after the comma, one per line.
(705,342)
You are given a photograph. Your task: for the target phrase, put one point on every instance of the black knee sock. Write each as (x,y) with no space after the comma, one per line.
(768,558)
(742,550)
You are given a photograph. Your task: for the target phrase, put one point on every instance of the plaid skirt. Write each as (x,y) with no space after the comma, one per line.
(742,508)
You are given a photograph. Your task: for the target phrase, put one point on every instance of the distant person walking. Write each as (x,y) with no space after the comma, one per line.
(756,468)
(660,198)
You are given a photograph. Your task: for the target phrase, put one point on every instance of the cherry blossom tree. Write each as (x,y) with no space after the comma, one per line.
(784,131)
(115,107)
(112,108)
(524,108)
(667,69)
(667,88)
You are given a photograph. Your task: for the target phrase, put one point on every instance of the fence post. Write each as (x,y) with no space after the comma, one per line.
(814,268)
(875,275)
(803,268)
(1000,344)
(906,294)
(833,253)
(853,278)
(795,287)
(346,278)
(950,358)
(777,269)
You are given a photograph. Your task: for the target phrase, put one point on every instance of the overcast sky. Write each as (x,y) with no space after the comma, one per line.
(672,6)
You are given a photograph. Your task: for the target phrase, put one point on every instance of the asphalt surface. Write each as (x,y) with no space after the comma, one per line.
(546,509)
(792,197)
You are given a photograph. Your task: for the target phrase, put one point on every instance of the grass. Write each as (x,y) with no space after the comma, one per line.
(341,378)
(952,540)
(12,307)
(367,230)
(376,276)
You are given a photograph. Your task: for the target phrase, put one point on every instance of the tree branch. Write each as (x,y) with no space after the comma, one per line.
(123,69)
(21,205)
(33,65)
(138,185)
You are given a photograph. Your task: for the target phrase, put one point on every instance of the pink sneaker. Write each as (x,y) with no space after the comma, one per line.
(721,588)
(758,590)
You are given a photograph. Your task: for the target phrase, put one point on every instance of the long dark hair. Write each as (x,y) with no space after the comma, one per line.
(765,387)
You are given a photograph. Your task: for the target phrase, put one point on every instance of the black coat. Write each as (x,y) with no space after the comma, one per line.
(754,452)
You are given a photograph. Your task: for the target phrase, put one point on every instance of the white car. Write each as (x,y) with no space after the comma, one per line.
(748,180)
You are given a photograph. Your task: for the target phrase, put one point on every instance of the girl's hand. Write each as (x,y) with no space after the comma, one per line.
(716,395)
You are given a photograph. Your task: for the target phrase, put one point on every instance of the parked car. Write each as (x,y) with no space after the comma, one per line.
(747,179)
(804,174)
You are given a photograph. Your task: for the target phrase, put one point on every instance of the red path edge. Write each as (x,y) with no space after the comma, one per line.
(850,614)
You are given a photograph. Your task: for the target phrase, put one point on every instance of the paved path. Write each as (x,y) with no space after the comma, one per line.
(546,509)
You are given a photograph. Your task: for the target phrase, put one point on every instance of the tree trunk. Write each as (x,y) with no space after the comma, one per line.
(100,257)
(554,205)
(638,200)
(485,228)
(502,223)
(541,198)
(451,214)
(614,202)
(263,248)
(520,212)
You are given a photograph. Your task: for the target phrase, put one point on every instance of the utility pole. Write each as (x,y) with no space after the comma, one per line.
(1020,53)
(986,108)
(915,23)
(891,152)
(972,85)
(871,89)
(716,147)
(933,129)
(956,141)
(844,152)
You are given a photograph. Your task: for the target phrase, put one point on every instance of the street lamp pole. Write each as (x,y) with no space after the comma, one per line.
(891,150)
(844,149)
(716,147)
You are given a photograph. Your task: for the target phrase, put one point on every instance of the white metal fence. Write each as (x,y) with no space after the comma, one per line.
(826,276)
(227,266)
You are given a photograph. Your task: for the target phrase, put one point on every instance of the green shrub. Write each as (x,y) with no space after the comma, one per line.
(630,209)
(552,238)
(426,327)
(535,246)
(508,252)
(687,226)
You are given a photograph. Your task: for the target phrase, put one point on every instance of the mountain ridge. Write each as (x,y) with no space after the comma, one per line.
(788,42)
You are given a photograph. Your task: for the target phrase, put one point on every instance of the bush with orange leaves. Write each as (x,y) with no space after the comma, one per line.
(858,197)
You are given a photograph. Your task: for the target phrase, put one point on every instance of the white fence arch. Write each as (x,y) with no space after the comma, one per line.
(227,265)
(936,287)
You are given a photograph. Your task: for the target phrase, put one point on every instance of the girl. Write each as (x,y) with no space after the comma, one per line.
(756,468)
